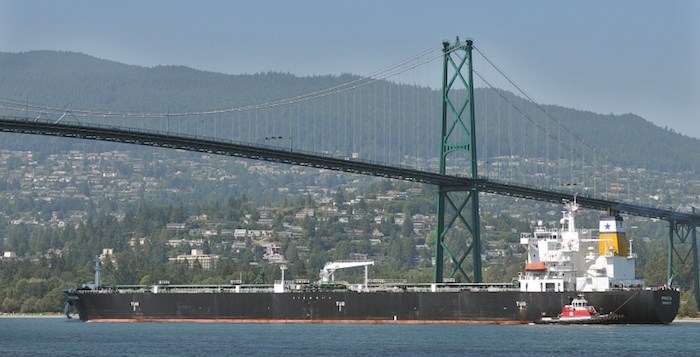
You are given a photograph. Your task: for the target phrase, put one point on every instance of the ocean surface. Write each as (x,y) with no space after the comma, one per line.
(61,337)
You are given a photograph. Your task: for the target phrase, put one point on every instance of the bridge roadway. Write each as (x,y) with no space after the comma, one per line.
(24,125)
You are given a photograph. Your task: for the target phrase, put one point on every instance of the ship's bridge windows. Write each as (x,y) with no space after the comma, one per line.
(547,235)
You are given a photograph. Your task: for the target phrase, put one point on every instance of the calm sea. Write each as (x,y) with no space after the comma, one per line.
(57,337)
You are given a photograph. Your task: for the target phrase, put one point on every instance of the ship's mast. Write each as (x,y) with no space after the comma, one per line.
(283,268)
(569,215)
(97,272)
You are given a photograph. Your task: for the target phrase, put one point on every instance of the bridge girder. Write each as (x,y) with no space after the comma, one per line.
(22,125)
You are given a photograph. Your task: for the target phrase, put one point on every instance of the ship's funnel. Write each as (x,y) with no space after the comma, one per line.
(612,237)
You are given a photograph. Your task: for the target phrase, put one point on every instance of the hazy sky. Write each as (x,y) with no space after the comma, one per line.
(638,56)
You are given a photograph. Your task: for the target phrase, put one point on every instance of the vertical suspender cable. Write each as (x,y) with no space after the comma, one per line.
(375,141)
(485,119)
(414,143)
(559,155)
(346,146)
(314,124)
(385,133)
(341,147)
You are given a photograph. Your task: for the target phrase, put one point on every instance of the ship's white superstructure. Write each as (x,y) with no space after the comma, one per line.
(570,259)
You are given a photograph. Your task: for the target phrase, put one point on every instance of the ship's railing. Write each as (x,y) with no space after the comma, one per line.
(188,289)
(443,287)
(386,281)
(389,285)
(110,289)
(557,230)
(218,289)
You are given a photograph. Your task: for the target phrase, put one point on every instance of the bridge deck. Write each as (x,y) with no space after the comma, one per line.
(320,161)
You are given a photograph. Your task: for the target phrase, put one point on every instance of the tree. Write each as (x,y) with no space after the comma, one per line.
(655,268)
(387,227)
(342,251)
(309,226)
(689,307)
(11,305)
(407,227)
(179,272)
(339,197)
(362,205)
(18,239)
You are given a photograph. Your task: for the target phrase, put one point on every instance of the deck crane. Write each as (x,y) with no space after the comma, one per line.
(327,274)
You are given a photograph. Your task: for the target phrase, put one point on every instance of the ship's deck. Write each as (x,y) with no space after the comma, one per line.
(299,288)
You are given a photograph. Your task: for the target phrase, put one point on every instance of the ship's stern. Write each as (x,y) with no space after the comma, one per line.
(73,303)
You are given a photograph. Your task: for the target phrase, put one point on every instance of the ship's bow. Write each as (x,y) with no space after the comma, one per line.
(666,304)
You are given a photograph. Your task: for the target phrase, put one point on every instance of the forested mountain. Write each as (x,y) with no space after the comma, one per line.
(73,80)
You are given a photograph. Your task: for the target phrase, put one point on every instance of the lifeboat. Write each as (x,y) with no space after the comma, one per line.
(536,267)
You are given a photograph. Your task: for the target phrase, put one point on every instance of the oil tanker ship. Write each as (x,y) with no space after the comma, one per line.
(562,264)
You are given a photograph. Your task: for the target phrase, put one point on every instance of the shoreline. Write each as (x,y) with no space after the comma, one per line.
(31,315)
(60,315)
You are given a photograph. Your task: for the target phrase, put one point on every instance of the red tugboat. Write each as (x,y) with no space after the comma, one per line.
(579,312)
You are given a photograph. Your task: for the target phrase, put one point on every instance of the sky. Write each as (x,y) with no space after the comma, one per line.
(625,56)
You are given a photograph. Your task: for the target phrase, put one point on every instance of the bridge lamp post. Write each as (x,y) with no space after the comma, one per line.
(167,117)
(291,140)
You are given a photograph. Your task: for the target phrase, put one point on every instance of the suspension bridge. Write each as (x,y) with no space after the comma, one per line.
(377,125)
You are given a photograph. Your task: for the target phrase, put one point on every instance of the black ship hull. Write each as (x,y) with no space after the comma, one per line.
(466,306)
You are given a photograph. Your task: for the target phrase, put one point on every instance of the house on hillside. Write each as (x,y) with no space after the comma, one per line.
(207,261)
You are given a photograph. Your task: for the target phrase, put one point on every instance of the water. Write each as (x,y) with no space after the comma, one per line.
(57,337)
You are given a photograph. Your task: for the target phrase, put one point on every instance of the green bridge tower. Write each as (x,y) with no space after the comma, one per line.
(679,234)
(458,207)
